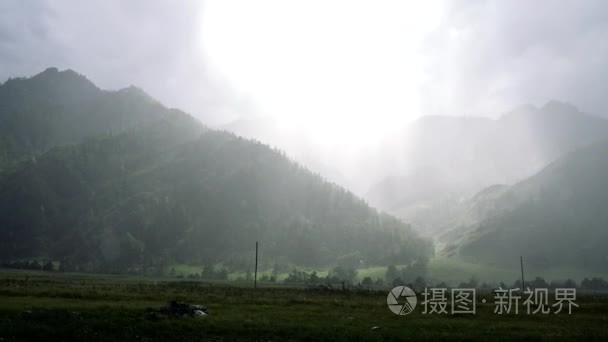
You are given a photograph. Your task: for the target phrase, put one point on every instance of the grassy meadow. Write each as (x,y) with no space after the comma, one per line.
(55,306)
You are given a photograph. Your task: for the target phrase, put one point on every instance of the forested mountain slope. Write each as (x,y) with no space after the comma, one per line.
(555,218)
(114,180)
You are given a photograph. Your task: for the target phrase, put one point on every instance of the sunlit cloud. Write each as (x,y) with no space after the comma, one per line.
(346,71)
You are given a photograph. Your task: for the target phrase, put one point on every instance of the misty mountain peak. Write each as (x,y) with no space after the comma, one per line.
(448,120)
(52,75)
(50,71)
(136,92)
(522,111)
(555,106)
(552,110)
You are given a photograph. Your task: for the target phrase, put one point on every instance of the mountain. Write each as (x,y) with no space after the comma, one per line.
(441,161)
(55,108)
(425,172)
(554,218)
(342,165)
(112,180)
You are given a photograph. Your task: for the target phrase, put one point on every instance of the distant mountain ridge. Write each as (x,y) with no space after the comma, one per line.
(556,217)
(423,172)
(110,181)
(47,110)
(447,159)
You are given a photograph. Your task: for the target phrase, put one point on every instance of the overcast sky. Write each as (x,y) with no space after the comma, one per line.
(376,64)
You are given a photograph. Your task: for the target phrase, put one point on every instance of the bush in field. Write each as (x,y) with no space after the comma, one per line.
(297,277)
(209,272)
(568,283)
(48,266)
(594,284)
(28,265)
(407,274)
(419,283)
(472,283)
(538,283)
(340,274)
(398,282)
(367,282)
(392,273)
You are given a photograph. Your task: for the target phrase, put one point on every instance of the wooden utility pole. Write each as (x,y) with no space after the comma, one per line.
(523,283)
(255,276)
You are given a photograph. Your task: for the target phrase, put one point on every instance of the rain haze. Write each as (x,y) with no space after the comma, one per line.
(329,82)
(349,70)
(185,154)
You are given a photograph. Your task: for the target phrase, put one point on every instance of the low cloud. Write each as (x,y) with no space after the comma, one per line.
(487,57)
(150,44)
(484,58)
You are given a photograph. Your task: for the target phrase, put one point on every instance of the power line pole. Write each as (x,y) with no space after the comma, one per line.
(255,276)
(523,283)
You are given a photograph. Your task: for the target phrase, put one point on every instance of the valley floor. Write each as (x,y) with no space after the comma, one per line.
(54,306)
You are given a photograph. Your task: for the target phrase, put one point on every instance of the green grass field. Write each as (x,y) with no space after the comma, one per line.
(54,306)
(440,269)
